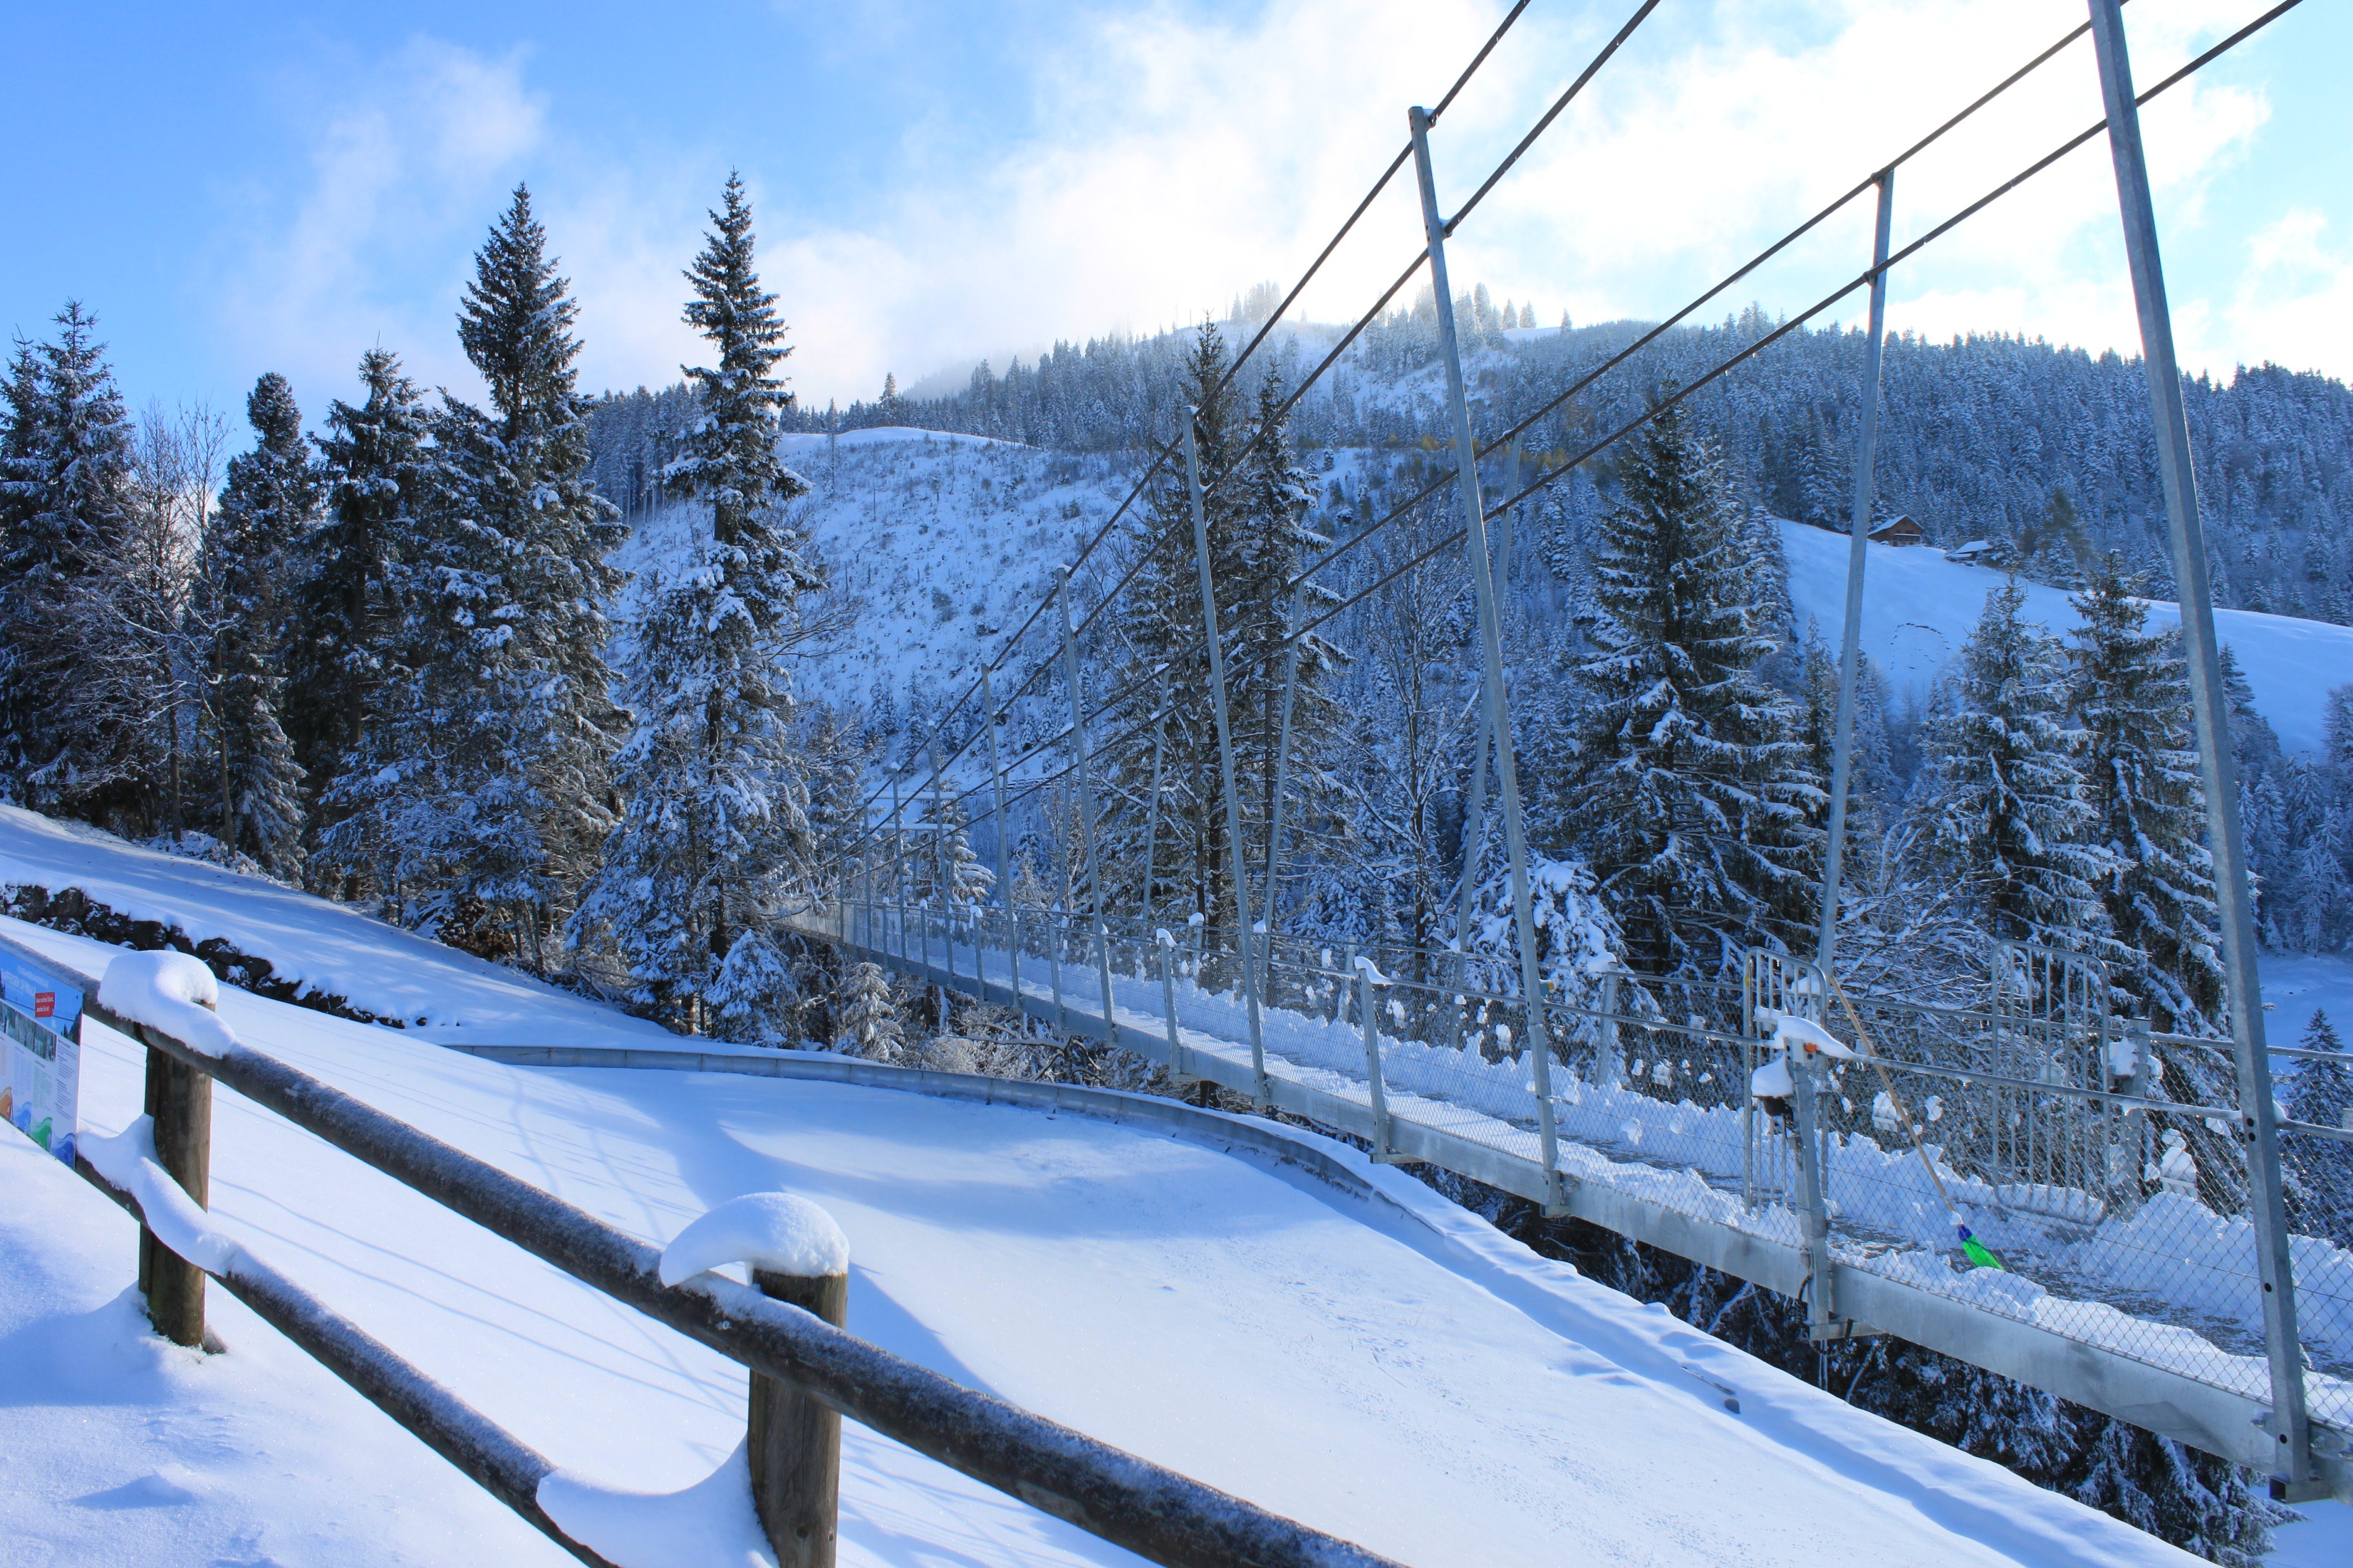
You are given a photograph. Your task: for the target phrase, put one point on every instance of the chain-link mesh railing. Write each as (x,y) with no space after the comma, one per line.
(2103,1164)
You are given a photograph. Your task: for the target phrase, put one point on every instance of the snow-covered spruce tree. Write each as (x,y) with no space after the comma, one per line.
(528,483)
(716,828)
(2208,1507)
(1690,794)
(482,792)
(2130,692)
(2008,814)
(751,999)
(270,502)
(865,1018)
(380,481)
(1167,669)
(2320,1170)
(67,742)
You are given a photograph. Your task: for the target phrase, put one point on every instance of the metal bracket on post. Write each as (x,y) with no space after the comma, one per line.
(1491,650)
(1086,804)
(2292,1479)
(1813,1208)
(1857,552)
(1224,757)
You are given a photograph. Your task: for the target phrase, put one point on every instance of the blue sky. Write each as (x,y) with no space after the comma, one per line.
(235,189)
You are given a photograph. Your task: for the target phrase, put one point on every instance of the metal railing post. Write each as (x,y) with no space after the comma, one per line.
(1281,786)
(1151,807)
(1167,945)
(2292,1481)
(1858,549)
(1225,754)
(1086,802)
(794,1441)
(1368,976)
(1004,849)
(1490,649)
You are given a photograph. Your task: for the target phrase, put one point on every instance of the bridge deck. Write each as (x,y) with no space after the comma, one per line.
(2079,1315)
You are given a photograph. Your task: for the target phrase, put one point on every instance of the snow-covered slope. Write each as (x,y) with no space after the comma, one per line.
(1918,609)
(323,946)
(945,541)
(1386,1367)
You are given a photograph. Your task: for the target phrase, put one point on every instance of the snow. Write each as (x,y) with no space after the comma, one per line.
(172,991)
(1918,608)
(128,1160)
(2298,984)
(327,947)
(125,1451)
(711,1524)
(1373,1360)
(775,1231)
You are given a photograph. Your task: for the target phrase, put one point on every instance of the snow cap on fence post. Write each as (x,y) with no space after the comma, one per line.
(793,1443)
(170,992)
(774,1232)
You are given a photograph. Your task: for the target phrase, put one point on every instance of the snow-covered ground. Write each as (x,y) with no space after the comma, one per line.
(325,946)
(1394,1371)
(1918,609)
(2297,984)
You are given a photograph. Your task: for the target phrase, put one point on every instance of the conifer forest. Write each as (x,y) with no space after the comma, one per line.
(609,685)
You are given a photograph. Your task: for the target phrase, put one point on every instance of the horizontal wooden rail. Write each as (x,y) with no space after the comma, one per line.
(1129,1501)
(492,1457)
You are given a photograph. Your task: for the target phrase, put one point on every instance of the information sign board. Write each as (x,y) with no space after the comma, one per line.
(40,1028)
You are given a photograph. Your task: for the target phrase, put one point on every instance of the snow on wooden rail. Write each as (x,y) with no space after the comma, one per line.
(1156,1512)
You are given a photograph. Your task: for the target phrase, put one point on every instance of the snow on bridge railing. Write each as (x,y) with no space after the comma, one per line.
(158,1170)
(2102,1163)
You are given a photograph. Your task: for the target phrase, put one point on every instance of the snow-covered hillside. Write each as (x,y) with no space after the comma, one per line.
(947,542)
(1383,1364)
(944,543)
(1918,609)
(320,946)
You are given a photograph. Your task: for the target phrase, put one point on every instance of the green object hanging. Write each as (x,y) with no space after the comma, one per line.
(1975,1251)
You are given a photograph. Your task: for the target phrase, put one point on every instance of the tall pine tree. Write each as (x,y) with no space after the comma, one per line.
(484,795)
(716,830)
(2008,815)
(1691,796)
(270,502)
(72,735)
(380,483)
(2130,693)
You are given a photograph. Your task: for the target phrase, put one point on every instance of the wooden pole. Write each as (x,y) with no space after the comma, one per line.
(179,1101)
(796,1441)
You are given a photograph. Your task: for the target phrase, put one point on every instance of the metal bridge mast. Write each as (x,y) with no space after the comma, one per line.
(1490,649)
(2293,1477)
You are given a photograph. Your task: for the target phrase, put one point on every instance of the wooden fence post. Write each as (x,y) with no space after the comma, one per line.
(180,1100)
(795,1442)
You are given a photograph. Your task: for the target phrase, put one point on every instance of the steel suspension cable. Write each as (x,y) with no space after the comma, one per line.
(2069,146)
(1163,456)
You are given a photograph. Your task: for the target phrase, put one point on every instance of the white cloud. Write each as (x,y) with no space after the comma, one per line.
(411,160)
(2295,302)
(1167,164)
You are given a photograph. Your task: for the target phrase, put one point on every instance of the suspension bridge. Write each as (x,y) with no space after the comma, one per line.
(1834,1144)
